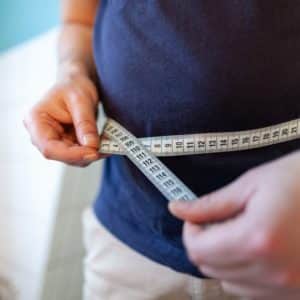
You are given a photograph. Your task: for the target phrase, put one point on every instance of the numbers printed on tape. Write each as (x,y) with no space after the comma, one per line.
(142,152)
(169,185)
(192,144)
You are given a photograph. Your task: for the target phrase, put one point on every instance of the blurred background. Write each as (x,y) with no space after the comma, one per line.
(22,20)
(41,201)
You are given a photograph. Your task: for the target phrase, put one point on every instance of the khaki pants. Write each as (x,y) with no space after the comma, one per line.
(113,271)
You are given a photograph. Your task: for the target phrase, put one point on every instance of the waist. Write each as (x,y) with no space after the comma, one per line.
(201,173)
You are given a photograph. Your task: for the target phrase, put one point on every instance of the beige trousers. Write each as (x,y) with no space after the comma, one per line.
(113,271)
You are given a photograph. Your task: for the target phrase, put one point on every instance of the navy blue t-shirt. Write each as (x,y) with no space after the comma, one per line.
(178,67)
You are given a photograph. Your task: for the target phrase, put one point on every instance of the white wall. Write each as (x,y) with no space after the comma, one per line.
(40,201)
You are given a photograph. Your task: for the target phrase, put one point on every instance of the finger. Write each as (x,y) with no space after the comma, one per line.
(243,291)
(216,206)
(68,141)
(234,272)
(51,144)
(46,118)
(41,129)
(70,134)
(249,273)
(79,164)
(83,114)
(255,292)
(255,274)
(35,117)
(220,244)
(71,154)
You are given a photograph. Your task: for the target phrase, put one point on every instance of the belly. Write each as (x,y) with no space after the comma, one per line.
(171,67)
(177,67)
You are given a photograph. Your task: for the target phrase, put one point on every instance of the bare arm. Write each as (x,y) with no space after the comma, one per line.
(75,40)
(63,124)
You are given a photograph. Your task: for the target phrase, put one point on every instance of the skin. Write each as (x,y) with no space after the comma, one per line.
(254,249)
(253,242)
(63,124)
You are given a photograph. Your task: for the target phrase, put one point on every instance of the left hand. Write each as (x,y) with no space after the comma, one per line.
(254,246)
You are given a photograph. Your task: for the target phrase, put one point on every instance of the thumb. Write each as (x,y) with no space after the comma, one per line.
(83,112)
(216,206)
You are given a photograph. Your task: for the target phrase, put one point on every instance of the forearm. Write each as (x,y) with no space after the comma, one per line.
(75,55)
(75,50)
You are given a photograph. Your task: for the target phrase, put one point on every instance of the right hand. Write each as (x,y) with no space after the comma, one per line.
(63,124)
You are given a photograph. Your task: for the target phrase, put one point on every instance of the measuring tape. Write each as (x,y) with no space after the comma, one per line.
(143,152)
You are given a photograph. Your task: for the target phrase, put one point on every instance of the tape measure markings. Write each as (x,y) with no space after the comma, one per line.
(142,152)
(167,182)
(191,144)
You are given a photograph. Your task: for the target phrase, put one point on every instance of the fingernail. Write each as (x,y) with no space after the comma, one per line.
(90,157)
(90,139)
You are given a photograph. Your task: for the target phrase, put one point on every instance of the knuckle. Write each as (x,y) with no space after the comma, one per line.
(194,255)
(209,198)
(74,95)
(283,279)
(46,152)
(262,244)
(86,125)
(287,279)
(93,91)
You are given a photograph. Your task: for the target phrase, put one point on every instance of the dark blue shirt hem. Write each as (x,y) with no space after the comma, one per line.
(154,248)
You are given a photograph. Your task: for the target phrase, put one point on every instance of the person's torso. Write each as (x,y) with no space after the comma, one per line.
(178,67)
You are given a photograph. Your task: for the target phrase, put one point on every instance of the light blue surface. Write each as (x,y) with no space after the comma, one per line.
(23,19)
